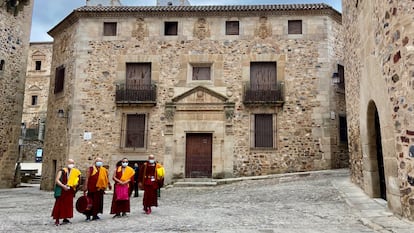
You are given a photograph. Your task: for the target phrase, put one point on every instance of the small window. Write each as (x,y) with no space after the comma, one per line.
(34,100)
(201,73)
(295,27)
(38,65)
(232,27)
(263,130)
(171,28)
(341,74)
(135,131)
(110,29)
(59,79)
(343,131)
(2,65)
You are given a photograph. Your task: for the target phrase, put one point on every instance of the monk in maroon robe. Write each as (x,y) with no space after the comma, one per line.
(96,183)
(123,176)
(67,181)
(148,181)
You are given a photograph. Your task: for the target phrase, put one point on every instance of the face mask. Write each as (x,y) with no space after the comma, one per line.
(70,166)
(151,161)
(124,164)
(99,164)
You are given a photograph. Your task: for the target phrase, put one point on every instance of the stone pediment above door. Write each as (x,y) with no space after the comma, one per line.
(200,95)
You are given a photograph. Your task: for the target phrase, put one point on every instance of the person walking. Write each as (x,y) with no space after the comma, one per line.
(66,182)
(124,181)
(136,169)
(148,181)
(96,182)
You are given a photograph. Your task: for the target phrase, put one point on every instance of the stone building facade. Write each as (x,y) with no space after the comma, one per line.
(211,91)
(36,96)
(15,23)
(379,83)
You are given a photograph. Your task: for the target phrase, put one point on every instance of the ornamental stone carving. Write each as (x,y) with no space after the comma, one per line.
(263,29)
(140,29)
(201,29)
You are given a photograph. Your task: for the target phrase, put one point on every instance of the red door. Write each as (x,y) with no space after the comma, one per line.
(198,155)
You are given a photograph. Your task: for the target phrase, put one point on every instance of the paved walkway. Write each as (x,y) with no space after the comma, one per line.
(324,201)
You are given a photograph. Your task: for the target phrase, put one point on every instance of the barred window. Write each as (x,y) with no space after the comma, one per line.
(135,131)
(263,131)
(201,73)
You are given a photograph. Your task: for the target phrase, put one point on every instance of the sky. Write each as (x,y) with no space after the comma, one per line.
(48,13)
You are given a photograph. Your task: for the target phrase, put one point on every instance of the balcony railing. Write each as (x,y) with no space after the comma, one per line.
(270,94)
(136,94)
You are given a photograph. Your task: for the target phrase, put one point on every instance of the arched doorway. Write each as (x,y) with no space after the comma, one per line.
(376,153)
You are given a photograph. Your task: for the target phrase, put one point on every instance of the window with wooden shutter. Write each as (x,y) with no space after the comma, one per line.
(110,29)
(295,27)
(171,28)
(138,76)
(135,131)
(201,73)
(263,75)
(232,27)
(59,79)
(343,131)
(263,130)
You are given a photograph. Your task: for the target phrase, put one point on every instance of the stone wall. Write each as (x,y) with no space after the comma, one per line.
(379,49)
(305,135)
(14,42)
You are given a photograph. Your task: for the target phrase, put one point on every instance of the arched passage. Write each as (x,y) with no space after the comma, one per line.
(375,153)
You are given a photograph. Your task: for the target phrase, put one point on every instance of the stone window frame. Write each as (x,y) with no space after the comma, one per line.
(38,56)
(193,65)
(252,130)
(122,142)
(230,23)
(110,29)
(169,25)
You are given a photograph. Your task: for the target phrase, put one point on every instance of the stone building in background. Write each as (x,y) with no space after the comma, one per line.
(35,97)
(211,91)
(15,23)
(379,72)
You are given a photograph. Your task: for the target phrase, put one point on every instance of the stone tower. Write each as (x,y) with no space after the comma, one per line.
(103,3)
(173,3)
(379,75)
(15,22)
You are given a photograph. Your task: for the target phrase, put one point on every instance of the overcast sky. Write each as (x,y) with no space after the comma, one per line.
(48,13)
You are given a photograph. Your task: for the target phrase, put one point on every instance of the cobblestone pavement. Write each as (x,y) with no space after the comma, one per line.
(308,202)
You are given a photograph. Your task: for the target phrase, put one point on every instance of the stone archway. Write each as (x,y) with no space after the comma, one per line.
(374,170)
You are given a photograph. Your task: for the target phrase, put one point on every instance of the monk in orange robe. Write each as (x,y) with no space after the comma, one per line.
(123,176)
(97,180)
(67,181)
(149,181)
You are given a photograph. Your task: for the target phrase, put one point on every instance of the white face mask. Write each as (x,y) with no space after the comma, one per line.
(124,164)
(70,166)
(151,161)
(98,164)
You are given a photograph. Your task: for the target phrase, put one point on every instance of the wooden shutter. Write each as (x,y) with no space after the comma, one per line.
(109,29)
(232,27)
(263,75)
(295,27)
(171,28)
(201,73)
(263,130)
(138,76)
(135,131)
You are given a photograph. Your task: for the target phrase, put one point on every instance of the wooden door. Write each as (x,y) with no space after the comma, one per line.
(198,163)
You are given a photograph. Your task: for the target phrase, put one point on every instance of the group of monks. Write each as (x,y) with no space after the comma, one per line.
(150,179)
